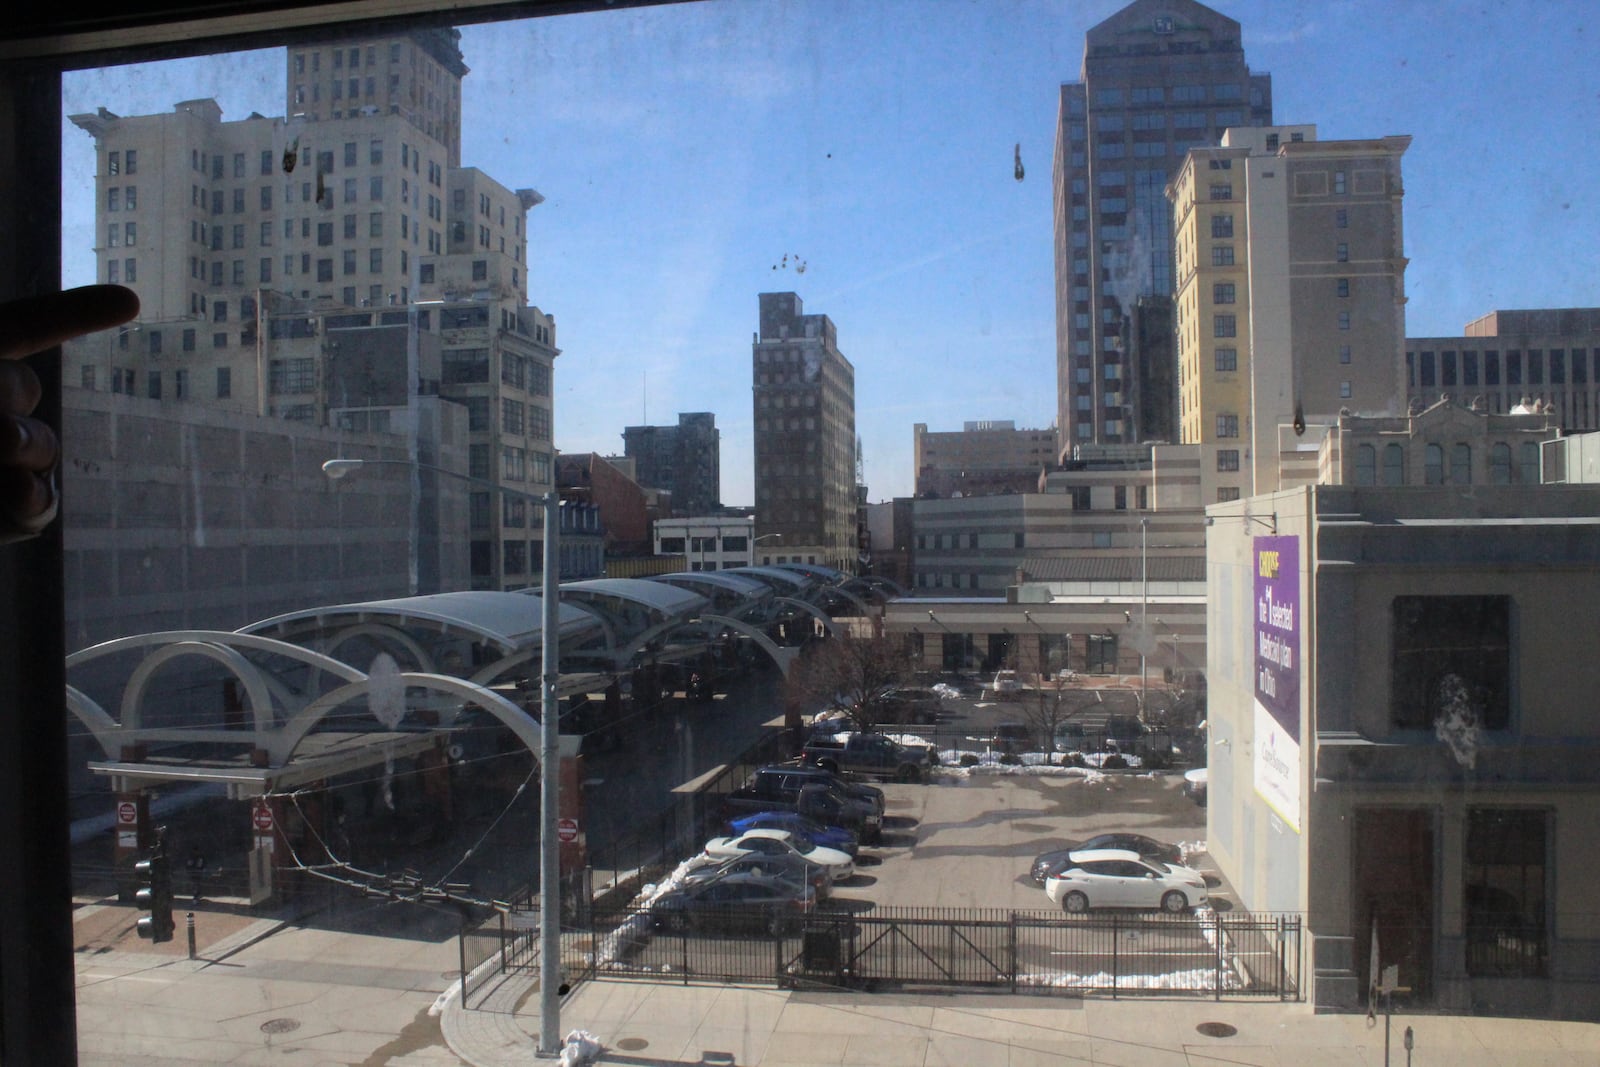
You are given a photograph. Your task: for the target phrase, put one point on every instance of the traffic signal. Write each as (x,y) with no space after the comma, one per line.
(155,895)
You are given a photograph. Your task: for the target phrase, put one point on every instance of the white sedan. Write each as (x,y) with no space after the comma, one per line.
(838,864)
(1116,878)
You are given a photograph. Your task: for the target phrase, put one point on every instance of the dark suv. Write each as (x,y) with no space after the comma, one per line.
(909,705)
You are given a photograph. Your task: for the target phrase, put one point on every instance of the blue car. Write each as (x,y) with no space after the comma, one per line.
(826,836)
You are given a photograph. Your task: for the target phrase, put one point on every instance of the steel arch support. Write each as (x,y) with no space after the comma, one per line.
(283,742)
(783,657)
(256,690)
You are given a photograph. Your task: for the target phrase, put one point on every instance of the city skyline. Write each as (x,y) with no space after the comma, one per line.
(884,192)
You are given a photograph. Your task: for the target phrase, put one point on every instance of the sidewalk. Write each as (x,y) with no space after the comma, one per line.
(643,1023)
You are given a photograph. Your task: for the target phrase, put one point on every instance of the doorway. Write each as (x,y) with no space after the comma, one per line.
(1394,887)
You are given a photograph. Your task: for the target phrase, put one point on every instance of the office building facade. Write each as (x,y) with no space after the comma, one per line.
(1158,78)
(805,436)
(982,459)
(1290,302)
(262,248)
(1506,359)
(685,459)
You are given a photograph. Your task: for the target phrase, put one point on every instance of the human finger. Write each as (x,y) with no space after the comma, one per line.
(36,323)
(29,503)
(27,443)
(19,388)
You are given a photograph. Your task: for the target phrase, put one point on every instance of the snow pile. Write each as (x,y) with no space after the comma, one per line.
(1180,981)
(991,766)
(580,1049)
(637,925)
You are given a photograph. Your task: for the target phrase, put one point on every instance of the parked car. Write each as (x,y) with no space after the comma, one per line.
(871,754)
(734,903)
(790,868)
(1011,737)
(906,704)
(1149,848)
(810,791)
(1005,682)
(1070,737)
(838,864)
(826,836)
(1117,878)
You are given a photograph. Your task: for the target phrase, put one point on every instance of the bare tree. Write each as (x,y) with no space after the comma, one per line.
(1045,711)
(849,673)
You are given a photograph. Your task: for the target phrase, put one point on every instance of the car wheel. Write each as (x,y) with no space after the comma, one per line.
(677,922)
(776,925)
(1174,902)
(908,773)
(1075,902)
(828,765)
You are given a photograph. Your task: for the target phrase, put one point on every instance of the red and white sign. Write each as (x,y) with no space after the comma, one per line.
(261,815)
(567,830)
(127,813)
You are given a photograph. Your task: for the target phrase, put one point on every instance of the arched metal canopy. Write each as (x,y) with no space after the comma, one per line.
(511,621)
(815,571)
(708,583)
(781,580)
(631,606)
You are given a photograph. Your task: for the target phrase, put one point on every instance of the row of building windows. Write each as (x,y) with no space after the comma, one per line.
(1149,95)
(1448,368)
(1458,470)
(124,380)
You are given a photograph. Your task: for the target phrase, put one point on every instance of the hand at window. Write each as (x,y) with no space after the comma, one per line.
(30,454)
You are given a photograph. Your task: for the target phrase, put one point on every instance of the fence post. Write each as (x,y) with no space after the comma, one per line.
(1116,958)
(502,923)
(1013,951)
(461,955)
(1282,983)
(1219,954)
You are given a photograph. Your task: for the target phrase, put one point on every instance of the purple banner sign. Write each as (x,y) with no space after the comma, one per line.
(1277,630)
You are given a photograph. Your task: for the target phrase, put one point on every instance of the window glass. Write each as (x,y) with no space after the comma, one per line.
(918,282)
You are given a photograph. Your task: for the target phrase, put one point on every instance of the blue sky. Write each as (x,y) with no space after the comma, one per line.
(685,151)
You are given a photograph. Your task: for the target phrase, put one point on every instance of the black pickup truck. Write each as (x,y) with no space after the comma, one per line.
(872,754)
(812,792)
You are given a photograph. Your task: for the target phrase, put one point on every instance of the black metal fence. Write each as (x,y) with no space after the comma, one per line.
(1213,955)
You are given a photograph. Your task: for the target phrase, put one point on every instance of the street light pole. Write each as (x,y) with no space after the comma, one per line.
(549,735)
(1144,611)
(550,789)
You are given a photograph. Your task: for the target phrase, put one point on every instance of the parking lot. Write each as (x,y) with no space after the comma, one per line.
(946,899)
(965,839)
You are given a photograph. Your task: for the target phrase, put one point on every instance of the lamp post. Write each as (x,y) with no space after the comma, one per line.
(1144,610)
(549,737)
(754,541)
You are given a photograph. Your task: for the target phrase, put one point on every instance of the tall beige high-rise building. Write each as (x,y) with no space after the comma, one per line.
(805,437)
(1290,301)
(1159,77)
(330,264)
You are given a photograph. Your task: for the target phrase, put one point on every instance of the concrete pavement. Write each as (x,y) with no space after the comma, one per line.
(652,1023)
